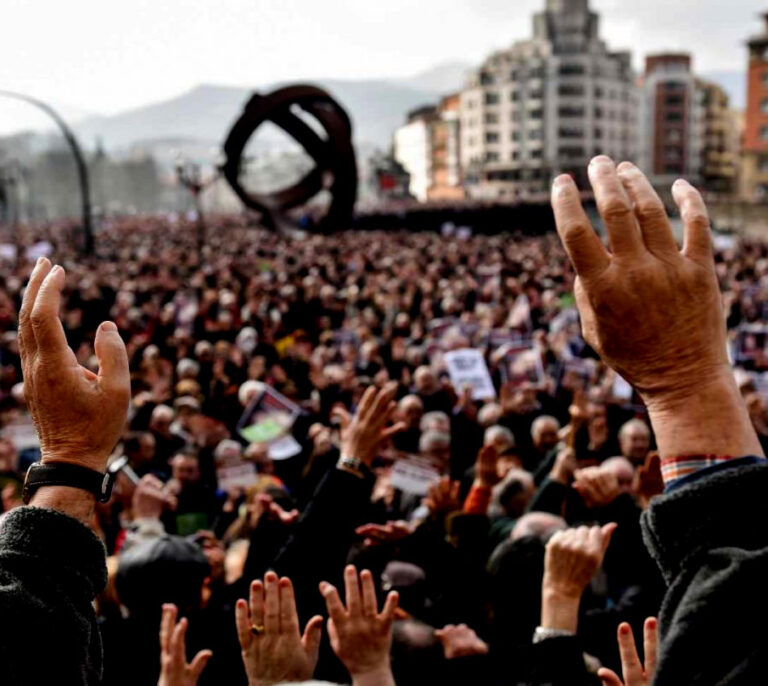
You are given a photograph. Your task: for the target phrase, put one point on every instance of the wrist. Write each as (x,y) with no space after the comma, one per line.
(380,676)
(705,417)
(560,608)
(91,460)
(74,502)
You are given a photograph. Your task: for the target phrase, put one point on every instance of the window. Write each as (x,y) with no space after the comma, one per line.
(673,100)
(570,132)
(570,89)
(765,79)
(598,92)
(515,156)
(491,98)
(567,112)
(764,133)
(535,135)
(491,137)
(536,154)
(491,157)
(514,95)
(673,116)
(764,106)
(763,164)
(571,69)
(598,133)
(491,118)
(515,136)
(598,112)
(536,114)
(536,94)
(486,78)
(515,117)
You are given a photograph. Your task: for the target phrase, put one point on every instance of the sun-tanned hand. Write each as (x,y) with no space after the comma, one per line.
(654,312)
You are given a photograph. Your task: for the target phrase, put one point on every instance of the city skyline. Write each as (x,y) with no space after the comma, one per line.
(103,58)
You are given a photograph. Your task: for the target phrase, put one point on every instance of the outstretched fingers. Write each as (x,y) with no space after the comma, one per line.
(649,210)
(630,662)
(584,247)
(27,343)
(697,244)
(651,646)
(50,341)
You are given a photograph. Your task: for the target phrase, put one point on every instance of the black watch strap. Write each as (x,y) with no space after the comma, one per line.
(67,474)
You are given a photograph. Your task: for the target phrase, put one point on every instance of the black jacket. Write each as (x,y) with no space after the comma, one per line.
(51,568)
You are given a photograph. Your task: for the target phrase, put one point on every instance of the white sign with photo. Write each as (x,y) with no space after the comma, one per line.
(467,367)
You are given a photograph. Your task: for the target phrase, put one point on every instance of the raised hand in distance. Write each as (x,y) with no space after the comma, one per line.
(460,641)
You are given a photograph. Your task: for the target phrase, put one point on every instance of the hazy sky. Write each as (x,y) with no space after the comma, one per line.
(104,55)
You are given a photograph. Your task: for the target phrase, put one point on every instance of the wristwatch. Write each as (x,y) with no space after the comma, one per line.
(353,464)
(67,474)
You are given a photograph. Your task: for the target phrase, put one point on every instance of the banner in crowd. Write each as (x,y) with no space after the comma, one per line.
(269,419)
(467,367)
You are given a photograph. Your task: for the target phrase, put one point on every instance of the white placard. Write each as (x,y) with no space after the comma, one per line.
(467,367)
(236,476)
(413,475)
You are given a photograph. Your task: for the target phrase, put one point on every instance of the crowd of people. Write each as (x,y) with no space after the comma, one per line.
(295,426)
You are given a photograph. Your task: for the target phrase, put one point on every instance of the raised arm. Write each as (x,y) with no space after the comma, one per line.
(51,564)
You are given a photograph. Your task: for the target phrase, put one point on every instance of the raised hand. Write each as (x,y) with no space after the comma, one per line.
(272,647)
(635,673)
(79,415)
(596,486)
(363,434)
(654,312)
(361,636)
(486,472)
(572,558)
(460,641)
(175,670)
(391,532)
(443,497)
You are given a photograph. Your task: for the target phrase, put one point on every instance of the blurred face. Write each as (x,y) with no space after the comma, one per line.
(425,381)
(545,437)
(635,443)
(186,470)
(411,411)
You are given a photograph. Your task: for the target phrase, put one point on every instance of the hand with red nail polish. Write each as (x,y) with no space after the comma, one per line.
(635,672)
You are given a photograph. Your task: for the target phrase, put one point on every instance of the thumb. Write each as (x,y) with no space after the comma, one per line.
(198,663)
(607,532)
(313,632)
(113,357)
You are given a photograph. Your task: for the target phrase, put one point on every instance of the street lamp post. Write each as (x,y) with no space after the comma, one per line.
(82,169)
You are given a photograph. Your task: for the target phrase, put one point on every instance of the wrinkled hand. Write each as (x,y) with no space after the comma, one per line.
(653,312)
(363,434)
(175,671)
(635,673)
(360,636)
(596,486)
(79,415)
(443,497)
(279,653)
(460,641)
(486,472)
(573,557)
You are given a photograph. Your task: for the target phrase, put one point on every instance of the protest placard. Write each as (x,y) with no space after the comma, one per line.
(413,475)
(467,367)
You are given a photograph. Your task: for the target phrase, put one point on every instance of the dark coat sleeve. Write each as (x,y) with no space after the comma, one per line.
(51,568)
(711,542)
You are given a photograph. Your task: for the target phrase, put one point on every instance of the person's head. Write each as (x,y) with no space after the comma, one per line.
(435,421)
(410,410)
(227,452)
(161,419)
(624,471)
(185,468)
(635,440)
(510,497)
(544,433)
(186,407)
(436,446)
(425,381)
(541,525)
(500,437)
(164,569)
(203,351)
(248,391)
(187,369)
(140,448)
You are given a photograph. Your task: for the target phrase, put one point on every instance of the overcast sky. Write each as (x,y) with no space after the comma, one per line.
(104,55)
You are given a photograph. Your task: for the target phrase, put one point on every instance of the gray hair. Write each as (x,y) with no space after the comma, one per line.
(515,481)
(499,434)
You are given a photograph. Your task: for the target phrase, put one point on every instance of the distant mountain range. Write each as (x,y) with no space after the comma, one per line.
(200,118)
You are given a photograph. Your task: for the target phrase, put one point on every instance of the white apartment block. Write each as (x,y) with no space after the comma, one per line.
(546,106)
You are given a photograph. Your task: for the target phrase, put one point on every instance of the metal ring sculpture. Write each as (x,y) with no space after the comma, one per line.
(335,168)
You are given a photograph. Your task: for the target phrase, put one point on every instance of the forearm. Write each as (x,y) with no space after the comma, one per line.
(559,610)
(708,418)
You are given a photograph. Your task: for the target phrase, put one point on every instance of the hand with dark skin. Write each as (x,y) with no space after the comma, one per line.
(79,415)
(654,312)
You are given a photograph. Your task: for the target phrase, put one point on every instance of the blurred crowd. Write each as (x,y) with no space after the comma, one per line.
(247,359)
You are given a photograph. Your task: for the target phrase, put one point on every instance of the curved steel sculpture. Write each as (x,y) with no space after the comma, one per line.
(86,245)
(335,167)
